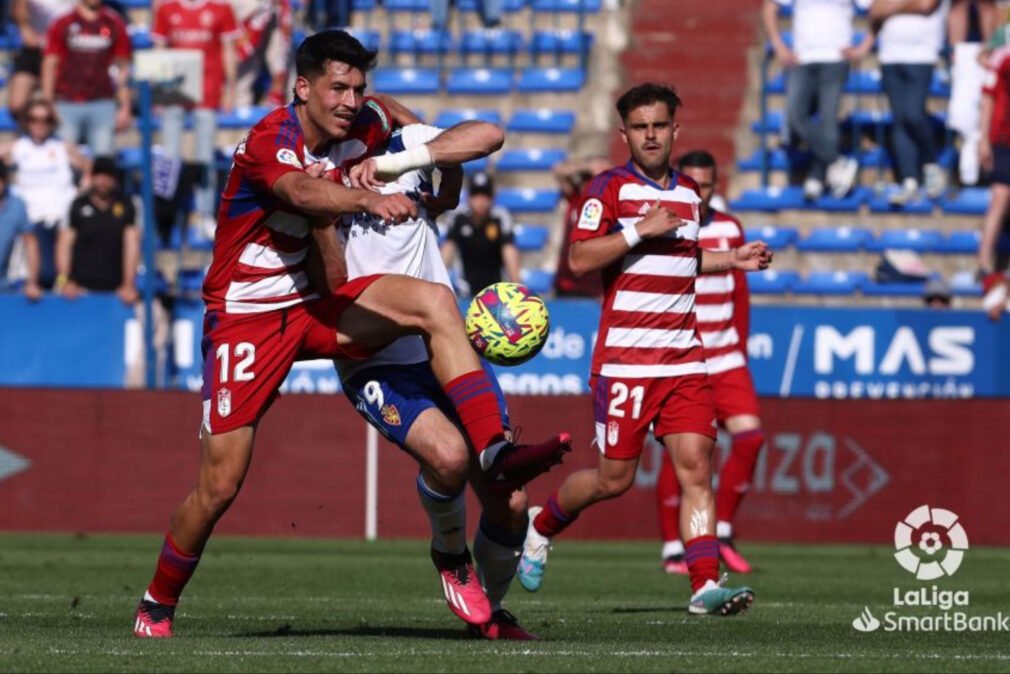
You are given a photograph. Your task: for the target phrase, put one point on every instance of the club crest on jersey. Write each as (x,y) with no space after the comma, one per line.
(390,414)
(286,155)
(592,214)
(223,402)
(612,430)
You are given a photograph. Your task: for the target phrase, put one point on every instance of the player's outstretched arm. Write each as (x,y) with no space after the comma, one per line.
(461,143)
(753,256)
(594,254)
(320,197)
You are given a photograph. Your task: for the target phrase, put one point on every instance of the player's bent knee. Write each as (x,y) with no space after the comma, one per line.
(612,487)
(450,464)
(438,306)
(218,493)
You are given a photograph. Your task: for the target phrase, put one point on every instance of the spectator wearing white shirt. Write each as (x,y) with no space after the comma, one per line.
(910,37)
(818,63)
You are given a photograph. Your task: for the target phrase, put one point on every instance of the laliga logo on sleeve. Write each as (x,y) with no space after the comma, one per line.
(920,540)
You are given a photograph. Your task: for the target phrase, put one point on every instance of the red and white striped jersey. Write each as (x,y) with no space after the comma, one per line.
(722,303)
(647,324)
(261,244)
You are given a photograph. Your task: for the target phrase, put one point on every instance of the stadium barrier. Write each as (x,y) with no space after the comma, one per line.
(833,471)
(794,351)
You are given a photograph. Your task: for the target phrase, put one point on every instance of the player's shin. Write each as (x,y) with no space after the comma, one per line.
(668,503)
(447,514)
(496,551)
(175,568)
(735,476)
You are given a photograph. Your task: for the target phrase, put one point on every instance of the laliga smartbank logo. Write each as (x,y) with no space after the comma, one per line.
(930,543)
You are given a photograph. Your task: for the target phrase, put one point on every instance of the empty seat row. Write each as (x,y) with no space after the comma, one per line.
(856,239)
(840,283)
(967,201)
(866,82)
(478,81)
(495,41)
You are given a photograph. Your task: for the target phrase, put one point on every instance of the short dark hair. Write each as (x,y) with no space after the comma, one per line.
(331,45)
(647,94)
(696,159)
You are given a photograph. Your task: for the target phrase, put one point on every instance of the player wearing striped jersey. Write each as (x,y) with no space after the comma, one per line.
(397,393)
(264,313)
(639,225)
(722,311)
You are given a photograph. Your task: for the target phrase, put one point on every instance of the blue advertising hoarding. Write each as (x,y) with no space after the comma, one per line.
(794,351)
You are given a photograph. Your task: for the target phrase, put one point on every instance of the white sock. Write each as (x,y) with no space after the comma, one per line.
(672,548)
(723,529)
(148,597)
(496,552)
(447,515)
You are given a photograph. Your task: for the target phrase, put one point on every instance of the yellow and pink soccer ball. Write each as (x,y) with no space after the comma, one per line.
(507,323)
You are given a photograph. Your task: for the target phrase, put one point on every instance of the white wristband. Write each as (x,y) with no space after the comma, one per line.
(631,235)
(392,166)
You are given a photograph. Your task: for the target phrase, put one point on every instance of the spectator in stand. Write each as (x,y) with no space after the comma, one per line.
(490,13)
(910,37)
(81,47)
(994,156)
(481,234)
(208,26)
(14,225)
(264,44)
(44,179)
(818,65)
(970,25)
(572,177)
(100,249)
(936,294)
(32,18)
(328,14)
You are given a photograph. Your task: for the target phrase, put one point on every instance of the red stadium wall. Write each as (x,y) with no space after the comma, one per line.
(834,471)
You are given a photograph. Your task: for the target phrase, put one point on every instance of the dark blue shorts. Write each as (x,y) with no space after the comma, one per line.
(392,397)
(1000,165)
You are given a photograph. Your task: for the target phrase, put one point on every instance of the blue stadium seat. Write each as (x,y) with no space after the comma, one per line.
(561,42)
(533,80)
(863,82)
(242,118)
(531,237)
(774,121)
(961,243)
(10,37)
(772,281)
(939,86)
(190,280)
(964,284)
(129,158)
(406,80)
(370,39)
(830,283)
(850,203)
(778,160)
(475,165)
(544,120)
(448,118)
(903,289)
(135,4)
(777,238)
(567,5)
(196,239)
(407,5)
(920,206)
(874,157)
(160,284)
(539,281)
(769,199)
(479,81)
(969,201)
(528,200)
(919,240)
(776,85)
(363,5)
(835,240)
(535,159)
(510,6)
(7,121)
(491,41)
(140,37)
(419,41)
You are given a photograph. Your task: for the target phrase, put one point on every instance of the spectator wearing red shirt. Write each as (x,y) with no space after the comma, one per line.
(81,47)
(208,26)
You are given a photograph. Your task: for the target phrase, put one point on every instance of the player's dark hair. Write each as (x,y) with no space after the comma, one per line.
(647,94)
(697,159)
(331,45)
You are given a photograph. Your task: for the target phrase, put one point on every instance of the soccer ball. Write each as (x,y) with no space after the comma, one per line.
(507,323)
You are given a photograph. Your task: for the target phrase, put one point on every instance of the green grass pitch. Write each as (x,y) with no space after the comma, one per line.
(290,605)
